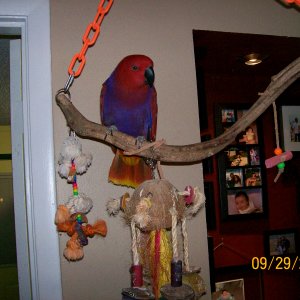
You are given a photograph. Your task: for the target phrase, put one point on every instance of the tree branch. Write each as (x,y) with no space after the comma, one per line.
(185,153)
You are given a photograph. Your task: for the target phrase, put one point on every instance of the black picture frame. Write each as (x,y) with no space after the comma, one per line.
(290,123)
(210,205)
(241,167)
(281,242)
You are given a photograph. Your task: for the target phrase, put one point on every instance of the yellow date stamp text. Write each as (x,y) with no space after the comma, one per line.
(275,263)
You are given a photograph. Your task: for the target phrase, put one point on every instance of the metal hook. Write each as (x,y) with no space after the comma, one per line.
(69,83)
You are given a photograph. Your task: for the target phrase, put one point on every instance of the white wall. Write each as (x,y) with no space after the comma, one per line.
(162,30)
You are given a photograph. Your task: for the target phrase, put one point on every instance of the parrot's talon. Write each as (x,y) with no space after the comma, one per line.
(151,163)
(139,141)
(109,131)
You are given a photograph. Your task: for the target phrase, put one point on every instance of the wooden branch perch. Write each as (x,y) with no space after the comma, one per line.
(185,153)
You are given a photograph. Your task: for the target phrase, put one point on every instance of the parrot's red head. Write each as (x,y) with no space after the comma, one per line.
(135,72)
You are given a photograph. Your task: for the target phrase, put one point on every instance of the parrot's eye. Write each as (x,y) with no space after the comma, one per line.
(134,67)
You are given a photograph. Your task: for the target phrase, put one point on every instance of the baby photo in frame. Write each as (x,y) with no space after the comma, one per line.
(249,136)
(246,201)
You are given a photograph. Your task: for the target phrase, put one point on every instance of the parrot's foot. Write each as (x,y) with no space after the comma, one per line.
(110,130)
(151,163)
(139,141)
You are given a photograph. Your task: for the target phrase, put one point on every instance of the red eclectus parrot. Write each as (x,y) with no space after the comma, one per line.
(128,103)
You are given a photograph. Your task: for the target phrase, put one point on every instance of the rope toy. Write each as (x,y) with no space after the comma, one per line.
(71,155)
(72,224)
(71,217)
(280,158)
(154,211)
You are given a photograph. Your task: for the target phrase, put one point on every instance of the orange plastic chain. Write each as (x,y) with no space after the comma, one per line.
(297,2)
(88,42)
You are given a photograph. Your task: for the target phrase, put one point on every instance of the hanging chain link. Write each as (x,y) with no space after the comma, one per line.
(92,29)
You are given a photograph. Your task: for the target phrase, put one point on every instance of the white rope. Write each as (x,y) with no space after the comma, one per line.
(280,171)
(276,125)
(135,254)
(138,237)
(185,245)
(174,231)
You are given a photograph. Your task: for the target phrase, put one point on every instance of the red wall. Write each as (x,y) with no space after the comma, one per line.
(244,239)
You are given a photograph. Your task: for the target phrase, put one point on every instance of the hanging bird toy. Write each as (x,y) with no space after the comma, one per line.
(71,216)
(153,212)
(72,224)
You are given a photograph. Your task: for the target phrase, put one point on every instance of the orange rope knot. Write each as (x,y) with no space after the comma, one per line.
(73,226)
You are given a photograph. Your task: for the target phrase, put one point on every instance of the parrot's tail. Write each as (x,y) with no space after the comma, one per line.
(128,171)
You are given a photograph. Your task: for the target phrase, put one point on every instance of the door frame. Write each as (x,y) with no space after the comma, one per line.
(31,20)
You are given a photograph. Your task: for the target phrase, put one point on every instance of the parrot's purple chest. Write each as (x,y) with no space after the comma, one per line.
(128,115)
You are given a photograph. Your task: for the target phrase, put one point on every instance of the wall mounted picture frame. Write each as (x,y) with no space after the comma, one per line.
(231,289)
(253,287)
(282,242)
(241,169)
(290,127)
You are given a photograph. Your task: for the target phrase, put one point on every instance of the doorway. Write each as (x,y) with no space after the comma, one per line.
(14,261)
(32,149)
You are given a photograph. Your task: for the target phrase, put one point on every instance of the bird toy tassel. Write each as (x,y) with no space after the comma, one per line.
(161,255)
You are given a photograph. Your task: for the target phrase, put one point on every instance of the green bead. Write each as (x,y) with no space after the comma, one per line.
(281,165)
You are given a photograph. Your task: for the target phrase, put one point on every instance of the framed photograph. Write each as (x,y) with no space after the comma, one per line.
(290,116)
(246,201)
(281,242)
(241,169)
(229,290)
(234,178)
(228,115)
(253,177)
(242,275)
(236,157)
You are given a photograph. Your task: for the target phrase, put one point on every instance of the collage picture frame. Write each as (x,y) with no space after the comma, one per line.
(241,169)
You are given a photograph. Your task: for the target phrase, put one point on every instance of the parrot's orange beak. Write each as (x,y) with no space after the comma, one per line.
(149,76)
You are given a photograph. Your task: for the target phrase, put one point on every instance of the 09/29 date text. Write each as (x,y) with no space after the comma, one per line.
(275,263)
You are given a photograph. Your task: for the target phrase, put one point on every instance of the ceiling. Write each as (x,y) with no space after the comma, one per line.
(222,52)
